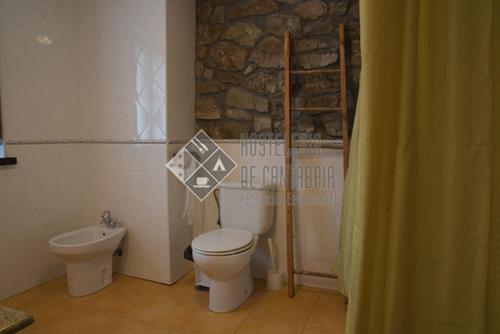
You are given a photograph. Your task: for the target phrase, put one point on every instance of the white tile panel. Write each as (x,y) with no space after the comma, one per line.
(20,188)
(82,70)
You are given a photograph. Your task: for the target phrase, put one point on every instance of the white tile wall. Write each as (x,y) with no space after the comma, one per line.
(117,179)
(43,197)
(39,198)
(180,231)
(82,70)
(38,69)
(122,85)
(181,32)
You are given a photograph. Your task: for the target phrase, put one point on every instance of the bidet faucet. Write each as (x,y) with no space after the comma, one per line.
(107,220)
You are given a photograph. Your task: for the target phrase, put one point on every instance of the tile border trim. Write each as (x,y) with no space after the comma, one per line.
(83,141)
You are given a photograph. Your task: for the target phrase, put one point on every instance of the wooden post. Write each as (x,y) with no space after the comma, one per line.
(288,170)
(343,90)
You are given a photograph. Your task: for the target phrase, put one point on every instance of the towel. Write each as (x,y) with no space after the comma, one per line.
(202,216)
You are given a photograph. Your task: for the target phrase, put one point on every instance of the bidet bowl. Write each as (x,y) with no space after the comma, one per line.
(86,243)
(88,253)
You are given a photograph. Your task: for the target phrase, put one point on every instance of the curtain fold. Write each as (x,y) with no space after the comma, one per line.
(420,243)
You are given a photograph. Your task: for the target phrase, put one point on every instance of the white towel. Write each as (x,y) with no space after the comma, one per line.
(201,215)
(188,214)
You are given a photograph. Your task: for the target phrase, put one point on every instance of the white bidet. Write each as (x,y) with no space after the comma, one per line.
(88,254)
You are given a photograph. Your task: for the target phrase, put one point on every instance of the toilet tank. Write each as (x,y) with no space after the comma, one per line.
(247,209)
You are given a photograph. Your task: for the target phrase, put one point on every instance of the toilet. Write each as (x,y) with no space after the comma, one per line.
(224,255)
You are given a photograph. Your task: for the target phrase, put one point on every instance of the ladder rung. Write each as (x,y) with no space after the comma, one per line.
(314,145)
(314,71)
(315,109)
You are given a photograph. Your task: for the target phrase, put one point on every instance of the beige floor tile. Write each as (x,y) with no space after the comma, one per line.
(138,285)
(206,321)
(186,282)
(57,286)
(126,326)
(328,315)
(270,326)
(222,326)
(20,299)
(185,310)
(133,305)
(84,322)
(112,299)
(277,306)
(171,312)
(333,298)
(123,294)
(49,308)
(56,315)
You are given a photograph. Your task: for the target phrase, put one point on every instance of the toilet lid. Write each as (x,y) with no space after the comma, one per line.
(222,241)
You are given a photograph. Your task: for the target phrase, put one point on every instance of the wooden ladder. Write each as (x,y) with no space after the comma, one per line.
(289,145)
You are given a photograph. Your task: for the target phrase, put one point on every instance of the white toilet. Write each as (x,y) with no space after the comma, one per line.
(224,254)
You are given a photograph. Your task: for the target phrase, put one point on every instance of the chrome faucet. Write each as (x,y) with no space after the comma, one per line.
(107,220)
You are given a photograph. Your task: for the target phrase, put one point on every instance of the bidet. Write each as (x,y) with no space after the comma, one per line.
(88,253)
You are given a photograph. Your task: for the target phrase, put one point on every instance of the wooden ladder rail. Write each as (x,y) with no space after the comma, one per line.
(288,171)
(343,99)
(289,146)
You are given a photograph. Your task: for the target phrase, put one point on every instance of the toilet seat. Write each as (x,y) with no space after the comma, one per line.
(234,252)
(223,242)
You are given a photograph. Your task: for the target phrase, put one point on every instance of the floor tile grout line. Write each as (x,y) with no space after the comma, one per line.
(245,320)
(54,290)
(248,317)
(110,324)
(36,289)
(310,313)
(86,306)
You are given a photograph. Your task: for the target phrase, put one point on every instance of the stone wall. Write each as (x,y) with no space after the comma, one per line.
(239,66)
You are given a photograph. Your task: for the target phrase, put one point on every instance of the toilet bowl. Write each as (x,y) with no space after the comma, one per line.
(88,253)
(224,255)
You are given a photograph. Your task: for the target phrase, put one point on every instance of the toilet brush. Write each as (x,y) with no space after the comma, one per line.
(274,277)
(274,267)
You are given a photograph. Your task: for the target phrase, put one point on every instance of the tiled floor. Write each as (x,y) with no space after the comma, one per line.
(132,305)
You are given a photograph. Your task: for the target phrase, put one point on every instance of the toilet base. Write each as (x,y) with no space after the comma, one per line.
(202,281)
(225,296)
(89,276)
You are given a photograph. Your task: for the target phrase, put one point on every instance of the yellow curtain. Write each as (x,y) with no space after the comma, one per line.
(420,243)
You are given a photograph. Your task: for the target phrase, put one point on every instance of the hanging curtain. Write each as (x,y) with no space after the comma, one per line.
(420,243)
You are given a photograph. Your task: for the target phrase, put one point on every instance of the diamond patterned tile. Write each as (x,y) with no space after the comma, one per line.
(67,60)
